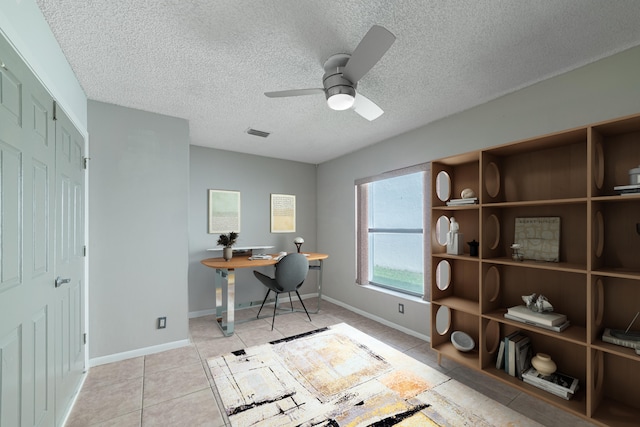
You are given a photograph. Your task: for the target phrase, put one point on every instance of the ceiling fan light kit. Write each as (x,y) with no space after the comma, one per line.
(340,92)
(341,101)
(343,71)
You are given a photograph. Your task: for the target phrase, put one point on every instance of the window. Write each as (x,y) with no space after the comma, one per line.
(391,217)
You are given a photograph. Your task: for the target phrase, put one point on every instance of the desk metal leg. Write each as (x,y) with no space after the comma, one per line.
(219,277)
(226,322)
(319,268)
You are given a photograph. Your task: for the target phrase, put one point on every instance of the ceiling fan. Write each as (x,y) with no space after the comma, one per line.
(343,71)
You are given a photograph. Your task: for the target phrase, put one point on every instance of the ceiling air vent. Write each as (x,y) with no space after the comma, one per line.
(259,133)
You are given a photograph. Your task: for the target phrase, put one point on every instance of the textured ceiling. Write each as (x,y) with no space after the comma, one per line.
(210,62)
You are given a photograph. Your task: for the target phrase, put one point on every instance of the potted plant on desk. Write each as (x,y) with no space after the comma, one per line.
(227,240)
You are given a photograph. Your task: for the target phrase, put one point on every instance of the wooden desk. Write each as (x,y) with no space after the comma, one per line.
(226,269)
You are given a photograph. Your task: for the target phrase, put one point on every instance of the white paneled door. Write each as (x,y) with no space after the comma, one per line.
(69,261)
(41,231)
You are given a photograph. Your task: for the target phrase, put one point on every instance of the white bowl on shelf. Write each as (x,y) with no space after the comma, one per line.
(462,342)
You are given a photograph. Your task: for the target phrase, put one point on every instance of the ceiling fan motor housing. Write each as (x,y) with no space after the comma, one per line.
(335,83)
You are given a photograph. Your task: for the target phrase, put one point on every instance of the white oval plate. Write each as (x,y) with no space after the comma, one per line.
(462,341)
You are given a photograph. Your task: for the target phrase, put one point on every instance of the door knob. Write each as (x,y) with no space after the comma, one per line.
(60,281)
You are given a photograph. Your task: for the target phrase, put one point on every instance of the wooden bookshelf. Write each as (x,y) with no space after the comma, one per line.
(596,283)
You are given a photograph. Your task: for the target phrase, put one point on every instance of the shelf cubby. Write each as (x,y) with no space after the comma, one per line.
(468,219)
(577,405)
(616,236)
(456,284)
(566,291)
(498,232)
(615,301)
(444,326)
(552,167)
(463,172)
(616,150)
(615,387)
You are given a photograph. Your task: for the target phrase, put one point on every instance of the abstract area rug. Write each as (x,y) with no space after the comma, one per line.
(339,376)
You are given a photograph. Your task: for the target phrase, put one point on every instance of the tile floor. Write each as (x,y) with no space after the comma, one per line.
(174,388)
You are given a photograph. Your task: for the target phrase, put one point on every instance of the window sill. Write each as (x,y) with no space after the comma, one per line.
(395,294)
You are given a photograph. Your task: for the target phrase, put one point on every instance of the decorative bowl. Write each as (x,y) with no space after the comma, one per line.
(462,342)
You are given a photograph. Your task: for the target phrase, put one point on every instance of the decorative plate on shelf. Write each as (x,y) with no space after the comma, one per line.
(462,341)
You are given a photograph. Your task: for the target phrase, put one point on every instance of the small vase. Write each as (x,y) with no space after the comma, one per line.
(227,253)
(473,248)
(543,364)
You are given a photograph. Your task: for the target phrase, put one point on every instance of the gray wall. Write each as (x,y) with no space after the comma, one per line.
(607,89)
(255,178)
(138,227)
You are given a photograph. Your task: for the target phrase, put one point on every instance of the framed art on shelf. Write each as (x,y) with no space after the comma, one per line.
(283,213)
(224,211)
(539,238)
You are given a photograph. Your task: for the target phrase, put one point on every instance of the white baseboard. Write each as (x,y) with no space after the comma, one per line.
(137,353)
(201,313)
(284,298)
(74,399)
(385,322)
(378,319)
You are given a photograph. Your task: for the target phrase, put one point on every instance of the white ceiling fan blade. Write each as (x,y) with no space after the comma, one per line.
(366,108)
(293,92)
(372,47)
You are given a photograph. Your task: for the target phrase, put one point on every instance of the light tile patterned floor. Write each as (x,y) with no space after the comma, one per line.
(174,388)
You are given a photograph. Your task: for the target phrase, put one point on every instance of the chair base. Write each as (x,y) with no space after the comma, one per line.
(275,306)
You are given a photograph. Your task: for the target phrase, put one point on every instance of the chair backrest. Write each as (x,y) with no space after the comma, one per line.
(291,271)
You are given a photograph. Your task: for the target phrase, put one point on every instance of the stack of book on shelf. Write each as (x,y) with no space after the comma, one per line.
(460,202)
(559,384)
(622,338)
(624,190)
(548,320)
(514,354)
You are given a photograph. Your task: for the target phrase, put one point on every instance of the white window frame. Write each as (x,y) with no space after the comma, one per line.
(363,230)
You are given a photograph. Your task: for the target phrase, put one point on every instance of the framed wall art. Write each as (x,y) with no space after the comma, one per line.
(539,238)
(283,213)
(224,211)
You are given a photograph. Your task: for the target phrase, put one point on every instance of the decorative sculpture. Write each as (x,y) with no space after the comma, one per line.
(454,238)
(537,303)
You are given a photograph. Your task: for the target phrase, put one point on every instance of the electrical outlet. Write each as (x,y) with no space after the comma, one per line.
(401,308)
(162,322)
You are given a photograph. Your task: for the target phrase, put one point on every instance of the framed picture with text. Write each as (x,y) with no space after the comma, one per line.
(283,213)
(224,211)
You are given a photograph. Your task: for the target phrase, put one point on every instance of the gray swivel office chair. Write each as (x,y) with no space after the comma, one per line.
(290,274)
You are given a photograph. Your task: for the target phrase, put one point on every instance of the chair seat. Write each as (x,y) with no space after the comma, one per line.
(269,282)
(291,271)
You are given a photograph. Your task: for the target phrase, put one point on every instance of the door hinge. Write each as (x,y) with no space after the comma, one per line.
(85,161)
(84,250)
(84,338)
(55,110)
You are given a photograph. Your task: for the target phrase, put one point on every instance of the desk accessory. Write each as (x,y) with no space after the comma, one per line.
(260,256)
(228,240)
